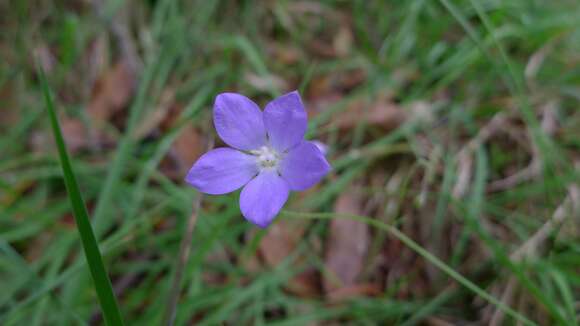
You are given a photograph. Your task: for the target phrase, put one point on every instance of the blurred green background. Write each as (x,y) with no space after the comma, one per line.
(455,122)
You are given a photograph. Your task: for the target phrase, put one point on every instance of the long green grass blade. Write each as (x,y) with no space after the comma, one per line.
(107,300)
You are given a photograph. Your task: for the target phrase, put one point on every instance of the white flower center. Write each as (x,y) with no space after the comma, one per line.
(267,157)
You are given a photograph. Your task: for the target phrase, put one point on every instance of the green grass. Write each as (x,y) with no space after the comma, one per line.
(102,283)
(431,254)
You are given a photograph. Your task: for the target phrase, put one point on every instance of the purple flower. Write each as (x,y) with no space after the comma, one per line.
(269,156)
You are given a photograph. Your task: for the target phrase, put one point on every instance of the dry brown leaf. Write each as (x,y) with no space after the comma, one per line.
(421,111)
(250,263)
(78,136)
(187,148)
(265,82)
(112,91)
(284,54)
(45,57)
(278,243)
(305,284)
(342,41)
(75,134)
(347,244)
(321,49)
(334,86)
(356,290)
(436,321)
(9,100)
(383,113)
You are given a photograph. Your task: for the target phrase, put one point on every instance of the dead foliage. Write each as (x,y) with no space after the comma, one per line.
(346,248)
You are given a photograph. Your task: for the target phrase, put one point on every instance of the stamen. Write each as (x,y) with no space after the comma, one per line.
(267,157)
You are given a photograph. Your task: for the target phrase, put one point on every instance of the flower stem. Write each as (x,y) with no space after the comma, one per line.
(184,250)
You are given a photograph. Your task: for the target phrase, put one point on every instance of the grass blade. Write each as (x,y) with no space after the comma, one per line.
(107,300)
(422,252)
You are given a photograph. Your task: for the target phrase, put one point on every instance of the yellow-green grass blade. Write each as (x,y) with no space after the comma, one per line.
(422,252)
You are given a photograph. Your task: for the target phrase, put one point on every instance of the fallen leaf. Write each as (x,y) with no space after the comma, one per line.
(421,111)
(320,48)
(78,136)
(10,102)
(39,141)
(279,242)
(346,246)
(45,57)
(112,91)
(353,291)
(320,104)
(342,41)
(284,54)
(75,134)
(265,82)
(382,113)
(187,148)
(305,284)
(250,263)
(436,321)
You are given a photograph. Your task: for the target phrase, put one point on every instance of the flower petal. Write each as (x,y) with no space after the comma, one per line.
(263,197)
(304,166)
(322,147)
(222,170)
(238,121)
(286,121)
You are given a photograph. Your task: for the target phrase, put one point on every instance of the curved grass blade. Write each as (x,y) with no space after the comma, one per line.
(422,252)
(107,300)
